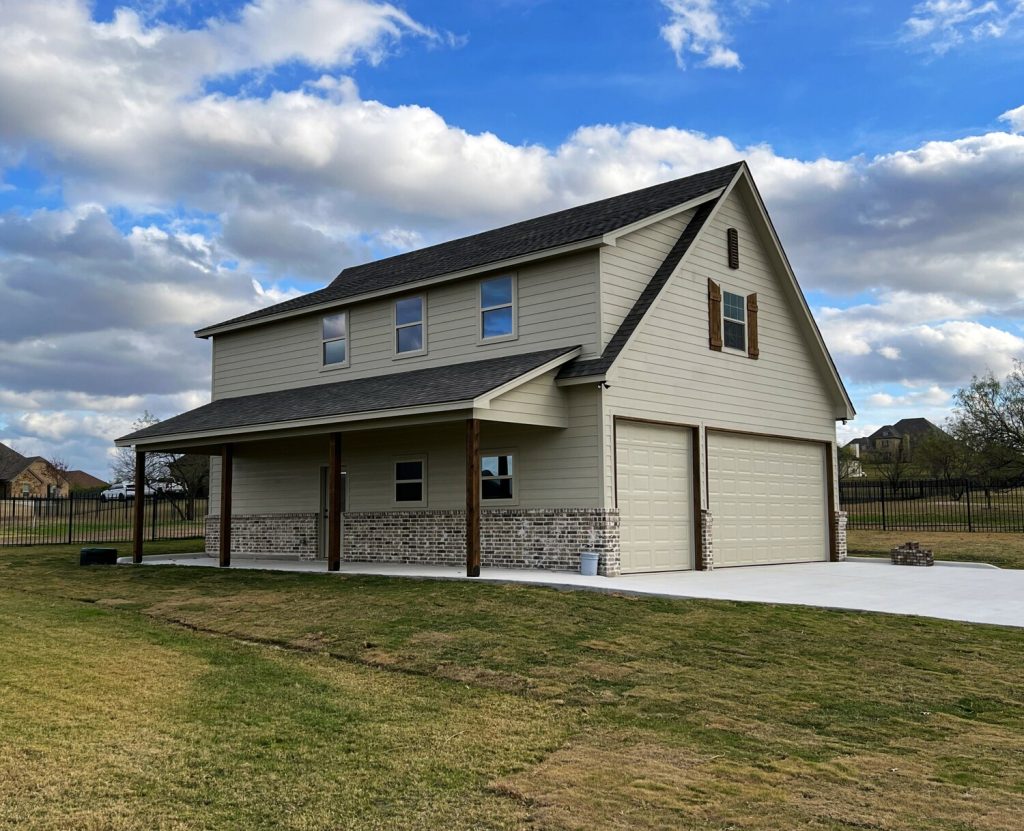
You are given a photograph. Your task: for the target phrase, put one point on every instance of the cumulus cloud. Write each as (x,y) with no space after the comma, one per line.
(1015,118)
(941,25)
(695,27)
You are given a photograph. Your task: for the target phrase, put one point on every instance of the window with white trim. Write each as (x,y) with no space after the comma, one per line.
(497,477)
(734,321)
(410,482)
(498,307)
(410,326)
(334,351)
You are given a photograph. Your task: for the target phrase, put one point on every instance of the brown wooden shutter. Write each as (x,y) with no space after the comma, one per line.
(752,348)
(733,246)
(715,315)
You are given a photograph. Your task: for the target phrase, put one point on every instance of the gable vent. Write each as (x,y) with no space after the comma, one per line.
(733,245)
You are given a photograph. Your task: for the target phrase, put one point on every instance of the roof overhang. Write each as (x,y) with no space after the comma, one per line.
(365,420)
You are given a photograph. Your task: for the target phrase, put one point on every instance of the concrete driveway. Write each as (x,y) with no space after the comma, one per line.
(953,591)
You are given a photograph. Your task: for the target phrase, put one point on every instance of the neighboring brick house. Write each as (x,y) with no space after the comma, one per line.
(639,377)
(28,476)
(894,440)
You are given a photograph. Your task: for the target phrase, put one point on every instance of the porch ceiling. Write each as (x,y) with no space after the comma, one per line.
(437,393)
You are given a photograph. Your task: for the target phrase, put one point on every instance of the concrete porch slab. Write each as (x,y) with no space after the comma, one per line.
(976,595)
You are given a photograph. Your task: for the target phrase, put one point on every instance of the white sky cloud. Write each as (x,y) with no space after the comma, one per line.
(941,25)
(695,27)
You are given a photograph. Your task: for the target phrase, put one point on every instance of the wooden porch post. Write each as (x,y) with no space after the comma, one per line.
(334,506)
(227,455)
(139,506)
(472,497)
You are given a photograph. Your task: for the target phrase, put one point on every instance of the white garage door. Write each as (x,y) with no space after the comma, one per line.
(767,499)
(653,468)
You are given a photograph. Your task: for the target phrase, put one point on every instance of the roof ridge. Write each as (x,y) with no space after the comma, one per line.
(489,248)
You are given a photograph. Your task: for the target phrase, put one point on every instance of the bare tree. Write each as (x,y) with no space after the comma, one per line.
(122,468)
(57,468)
(990,412)
(893,467)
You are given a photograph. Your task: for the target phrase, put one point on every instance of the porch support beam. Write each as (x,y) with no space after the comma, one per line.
(227,460)
(139,506)
(334,506)
(472,497)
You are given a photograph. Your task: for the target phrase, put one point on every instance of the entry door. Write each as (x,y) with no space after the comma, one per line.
(325,508)
(653,469)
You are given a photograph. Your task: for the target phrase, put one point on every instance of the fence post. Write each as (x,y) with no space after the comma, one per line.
(882,489)
(71,517)
(970,519)
(152,516)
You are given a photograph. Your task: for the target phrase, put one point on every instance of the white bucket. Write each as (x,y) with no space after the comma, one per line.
(588,563)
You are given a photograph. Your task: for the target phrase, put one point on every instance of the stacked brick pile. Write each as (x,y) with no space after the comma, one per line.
(911,554)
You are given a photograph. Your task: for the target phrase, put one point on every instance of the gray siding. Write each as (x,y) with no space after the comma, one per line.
(558,306)
(667,372)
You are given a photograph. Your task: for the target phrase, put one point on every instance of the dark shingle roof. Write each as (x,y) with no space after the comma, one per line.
(886,432)
(599,366)
(420,387)
(530,236)
(12,462)
(915,426)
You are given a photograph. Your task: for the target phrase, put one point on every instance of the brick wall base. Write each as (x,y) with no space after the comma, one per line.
(707,535)
(550,538)
(911,554)
(841,546)
(267,534)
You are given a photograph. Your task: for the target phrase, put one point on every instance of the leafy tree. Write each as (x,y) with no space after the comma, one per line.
(990,413)
(849,464)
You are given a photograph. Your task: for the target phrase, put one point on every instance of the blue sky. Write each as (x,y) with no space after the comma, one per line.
(165,164)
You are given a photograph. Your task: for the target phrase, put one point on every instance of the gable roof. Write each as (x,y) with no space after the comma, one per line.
(449,384)
(12,462)
(886,432)
(572,225)
(916,426)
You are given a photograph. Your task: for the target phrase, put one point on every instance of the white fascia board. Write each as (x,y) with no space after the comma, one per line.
(612,237)
(484,401)
(328,305)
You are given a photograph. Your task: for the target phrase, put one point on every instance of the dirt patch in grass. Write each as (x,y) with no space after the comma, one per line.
(602,781)
(1003,550)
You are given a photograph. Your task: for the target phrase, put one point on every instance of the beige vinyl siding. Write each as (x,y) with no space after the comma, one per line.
(537,402)
(627,268)
(667,372)
(557,306)
(554,467)
(273,477)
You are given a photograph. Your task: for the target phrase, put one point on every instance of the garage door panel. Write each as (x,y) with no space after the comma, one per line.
(653,484)
(768,498)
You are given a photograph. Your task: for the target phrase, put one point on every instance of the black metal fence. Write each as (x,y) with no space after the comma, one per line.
(81,519)
(932,505)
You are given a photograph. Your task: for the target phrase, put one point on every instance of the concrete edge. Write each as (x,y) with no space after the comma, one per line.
(945,563)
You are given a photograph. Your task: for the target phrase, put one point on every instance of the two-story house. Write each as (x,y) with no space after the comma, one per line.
(639,376)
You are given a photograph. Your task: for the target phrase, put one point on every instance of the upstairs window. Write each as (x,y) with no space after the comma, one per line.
(335,340)
(410,331)
(496,477)
(734,321)
(498,308)
(409,482)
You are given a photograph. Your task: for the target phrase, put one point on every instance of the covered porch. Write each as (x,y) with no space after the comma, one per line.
(510,471)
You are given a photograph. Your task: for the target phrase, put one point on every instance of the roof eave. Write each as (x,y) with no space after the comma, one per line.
(511,262)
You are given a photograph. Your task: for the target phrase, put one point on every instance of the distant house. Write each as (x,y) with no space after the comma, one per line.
(25,476)
(895,440)
(79,480)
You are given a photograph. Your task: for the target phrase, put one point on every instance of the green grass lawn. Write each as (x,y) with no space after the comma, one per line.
(184,698)
(999,549)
